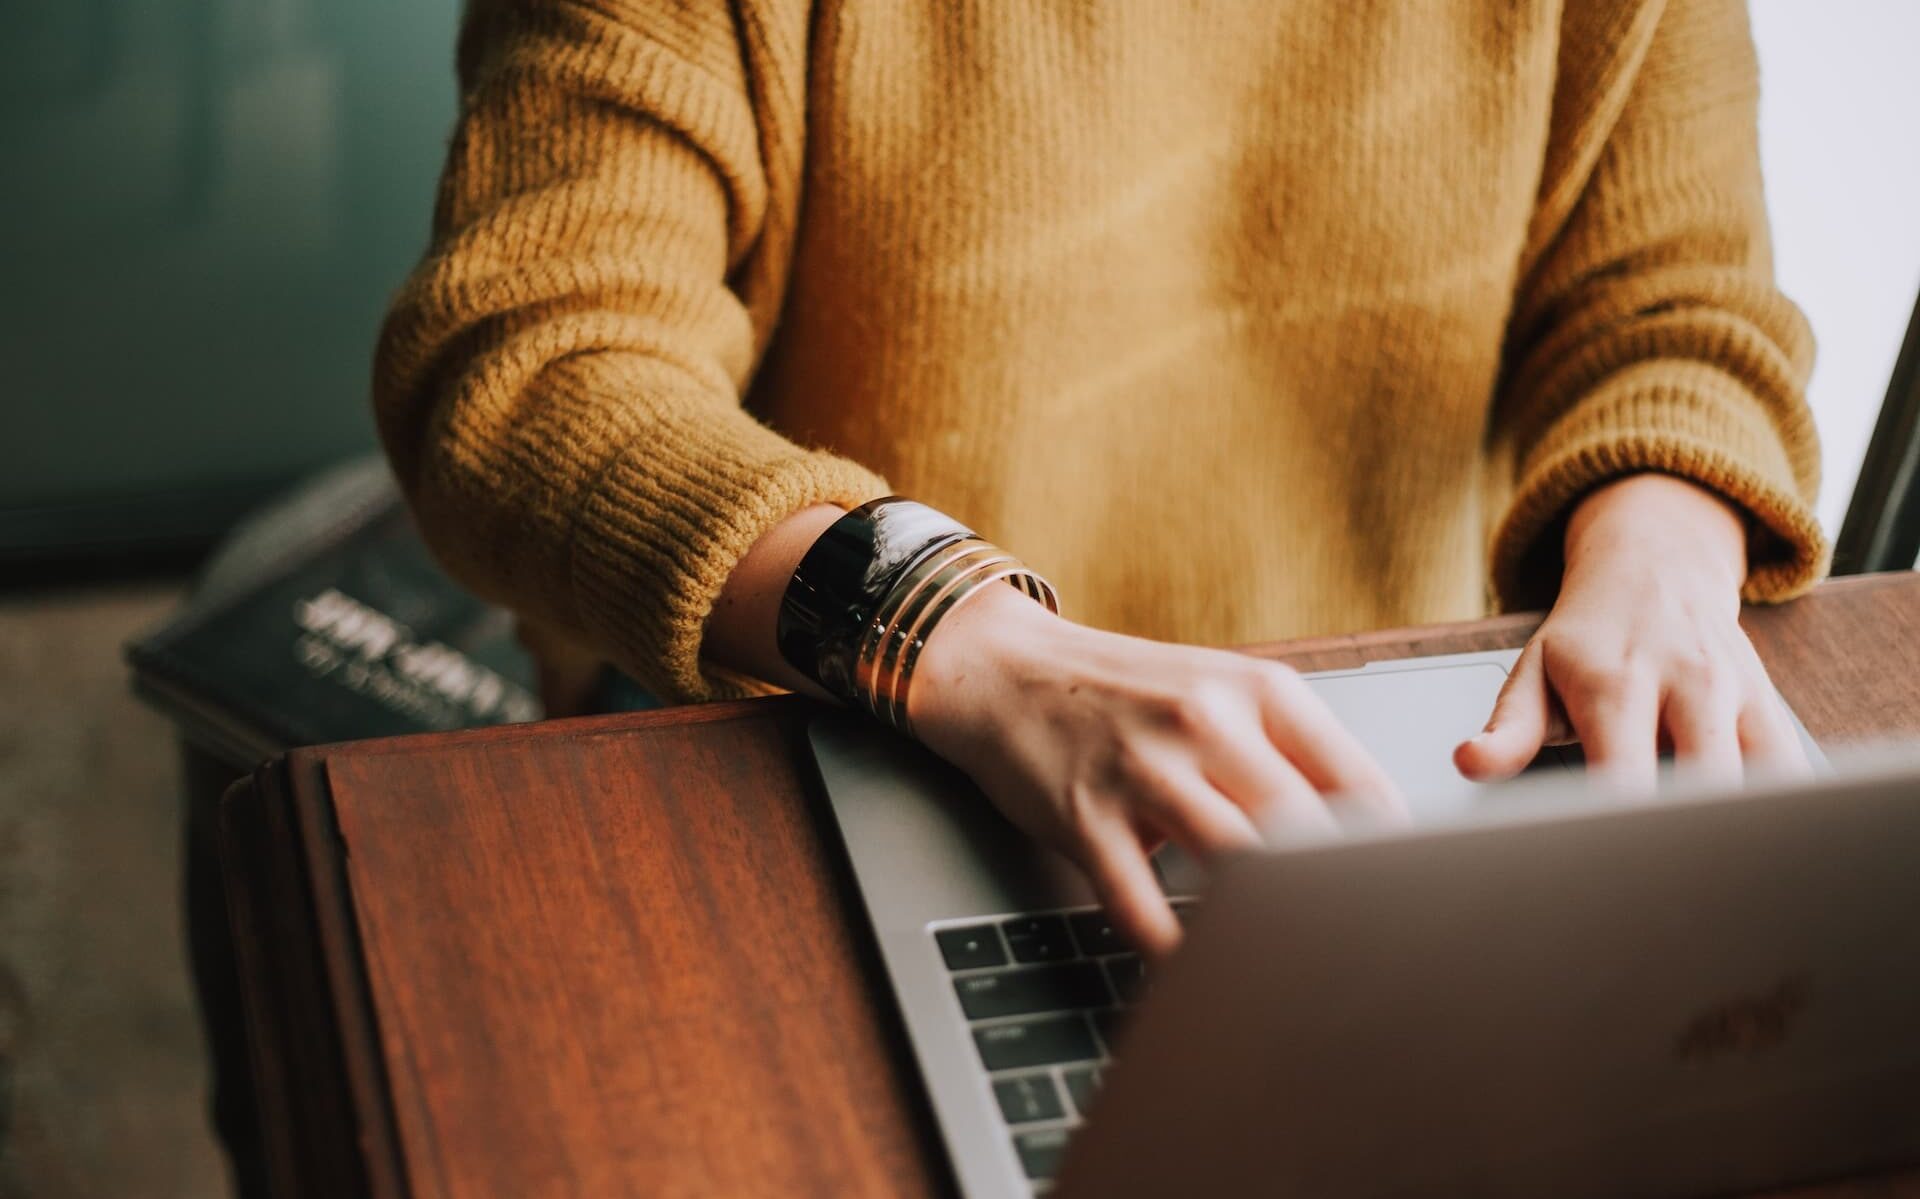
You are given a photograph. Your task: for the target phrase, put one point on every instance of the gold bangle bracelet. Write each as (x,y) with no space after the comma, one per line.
(926,593)
(880,646)
(1017,574)
(882,624)
(932,599)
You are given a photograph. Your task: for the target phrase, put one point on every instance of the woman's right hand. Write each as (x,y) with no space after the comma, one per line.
(1104,746)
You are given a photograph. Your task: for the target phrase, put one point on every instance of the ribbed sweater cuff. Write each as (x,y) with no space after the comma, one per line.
(1681,419)
(666,523)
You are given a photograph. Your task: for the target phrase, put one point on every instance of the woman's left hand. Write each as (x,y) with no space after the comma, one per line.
(1643,651)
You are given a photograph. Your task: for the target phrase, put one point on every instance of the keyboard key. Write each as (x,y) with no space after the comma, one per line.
(1040,1152)
(1096,934)
(1109,1023)
(1038,939)
(1024,992)
(1025,1098)
(1041,1042)
(972,947)
(1081,1082)
(1183,909)
(1128,976)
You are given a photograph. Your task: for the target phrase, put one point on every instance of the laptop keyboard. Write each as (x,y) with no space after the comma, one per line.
(1044,996)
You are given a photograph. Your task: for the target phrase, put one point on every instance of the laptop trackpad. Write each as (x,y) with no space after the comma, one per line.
(1411,718)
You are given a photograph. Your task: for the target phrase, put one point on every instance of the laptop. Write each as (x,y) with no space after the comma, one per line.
(1531,991)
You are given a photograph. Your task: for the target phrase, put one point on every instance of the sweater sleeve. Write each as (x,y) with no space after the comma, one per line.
(1647,332)
(558,385)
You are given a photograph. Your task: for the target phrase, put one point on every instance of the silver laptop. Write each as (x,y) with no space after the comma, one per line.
(1524,994)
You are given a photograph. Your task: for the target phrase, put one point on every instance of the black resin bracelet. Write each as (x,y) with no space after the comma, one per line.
(843,578)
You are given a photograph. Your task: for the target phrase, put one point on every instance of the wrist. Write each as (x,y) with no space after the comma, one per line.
(873,589)
(970,655)
(1659,519)
(740,634)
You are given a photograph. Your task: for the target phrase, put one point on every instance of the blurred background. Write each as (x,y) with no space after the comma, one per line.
(205,205)
(207,202)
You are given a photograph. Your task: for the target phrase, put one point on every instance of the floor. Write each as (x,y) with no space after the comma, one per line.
(101,1070)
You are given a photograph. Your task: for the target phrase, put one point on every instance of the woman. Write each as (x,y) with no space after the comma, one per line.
(1235,321)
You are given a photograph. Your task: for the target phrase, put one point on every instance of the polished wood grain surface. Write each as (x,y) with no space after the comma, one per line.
(621,955)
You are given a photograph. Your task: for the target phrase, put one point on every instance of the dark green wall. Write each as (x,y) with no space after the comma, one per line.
(203,206)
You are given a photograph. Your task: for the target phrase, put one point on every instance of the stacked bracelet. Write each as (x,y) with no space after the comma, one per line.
(870,592)
(932,588)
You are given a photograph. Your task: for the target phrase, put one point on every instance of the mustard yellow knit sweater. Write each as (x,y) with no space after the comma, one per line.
(1237,320)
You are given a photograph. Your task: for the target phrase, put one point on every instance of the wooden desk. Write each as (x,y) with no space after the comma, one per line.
(621,956)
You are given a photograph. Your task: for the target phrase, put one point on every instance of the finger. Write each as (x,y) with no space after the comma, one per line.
(1245,766)
(1321,750)
(1195,815)
(1307,818)
(1518,728)
(1128,889)
(1704,727)
(1769,739)
(1618,722)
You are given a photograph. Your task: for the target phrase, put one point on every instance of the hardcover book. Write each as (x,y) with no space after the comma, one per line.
(328,620)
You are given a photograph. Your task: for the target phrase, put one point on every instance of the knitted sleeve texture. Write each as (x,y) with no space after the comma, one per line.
(559,383)
(1647,333)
